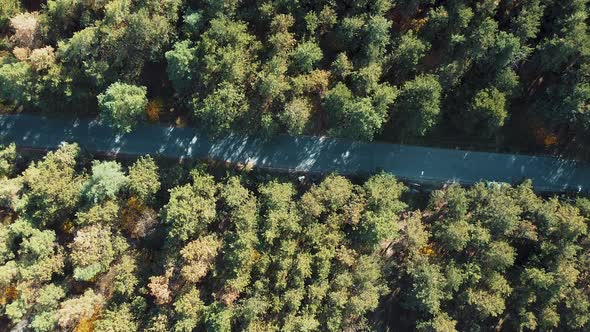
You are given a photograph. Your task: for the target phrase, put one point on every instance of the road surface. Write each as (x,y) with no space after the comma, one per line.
(429,166)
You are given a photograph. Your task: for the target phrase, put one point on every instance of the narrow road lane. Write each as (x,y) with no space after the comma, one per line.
(304,154)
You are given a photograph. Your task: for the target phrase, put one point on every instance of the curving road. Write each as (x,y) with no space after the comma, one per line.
(429,166)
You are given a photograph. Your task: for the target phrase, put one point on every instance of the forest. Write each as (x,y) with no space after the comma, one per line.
(497,75)
(91,243)
(147,245)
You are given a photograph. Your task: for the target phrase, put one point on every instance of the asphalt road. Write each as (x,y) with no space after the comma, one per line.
(305,154)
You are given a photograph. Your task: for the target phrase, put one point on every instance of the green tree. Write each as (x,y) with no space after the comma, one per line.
(17,84)
(220,111)
(189,309)
(578,105)
(118,319)
(282,40)
(272,81)
(105,213)
(361,120)
(8,9)
(218,318)
(9,193)
(76,55)
(199,256)
(191,208)
(305,56)
(487,112)
(126,278)
(408,53)
(240,206)
(47,303)
(7,160)
(181,62)
(296,116)
(74,310)
(52,187)
(418,105)
(30,259)
(376,38)
(106,181)
(383,194)
(341,67)
(143,179)
(355,118)
(228,53)
(527,24)
(93,250)
(130,35)
(122,106)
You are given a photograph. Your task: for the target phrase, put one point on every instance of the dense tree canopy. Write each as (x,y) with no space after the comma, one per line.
(151,245)
(491,74)
(136,247)
(498,255)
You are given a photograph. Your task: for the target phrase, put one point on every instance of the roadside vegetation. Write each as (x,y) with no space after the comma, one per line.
(96,245)
(500,75)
